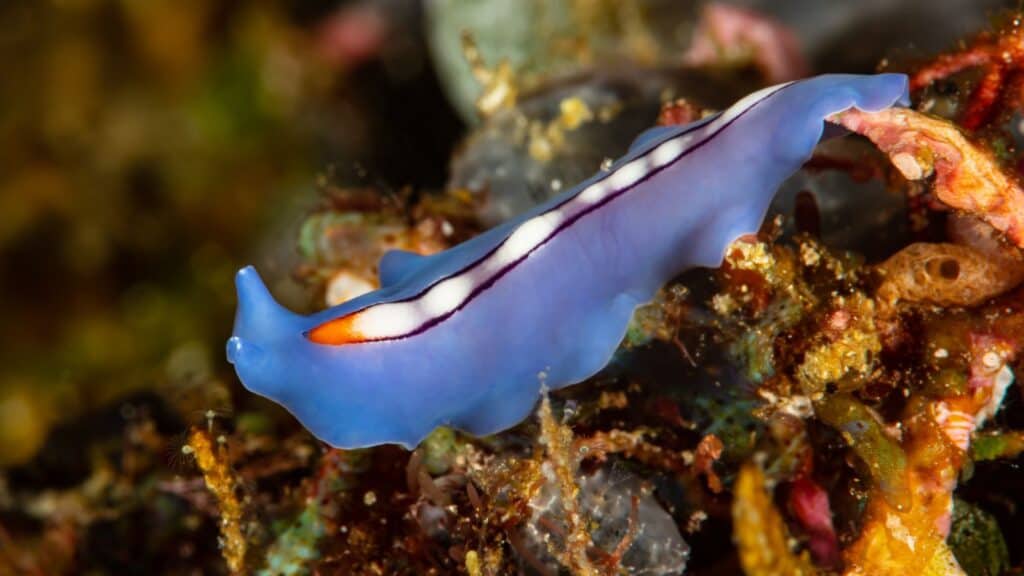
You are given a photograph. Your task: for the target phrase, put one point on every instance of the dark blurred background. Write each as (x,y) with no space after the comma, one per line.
(151,147)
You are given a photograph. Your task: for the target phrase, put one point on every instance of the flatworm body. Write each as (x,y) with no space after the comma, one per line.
(467,337)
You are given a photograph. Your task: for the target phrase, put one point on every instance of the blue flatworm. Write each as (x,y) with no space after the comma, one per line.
(466,337)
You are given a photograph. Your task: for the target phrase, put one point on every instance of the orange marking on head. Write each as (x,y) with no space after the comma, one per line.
(337,332)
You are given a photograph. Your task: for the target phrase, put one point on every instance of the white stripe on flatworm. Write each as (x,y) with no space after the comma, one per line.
(593,194)
(396,319)
(629,174)
(446,296)
(528,236)
(746,103)
(667,151)
(388,319)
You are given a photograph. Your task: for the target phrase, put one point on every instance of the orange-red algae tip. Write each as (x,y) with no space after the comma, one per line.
(337,332)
